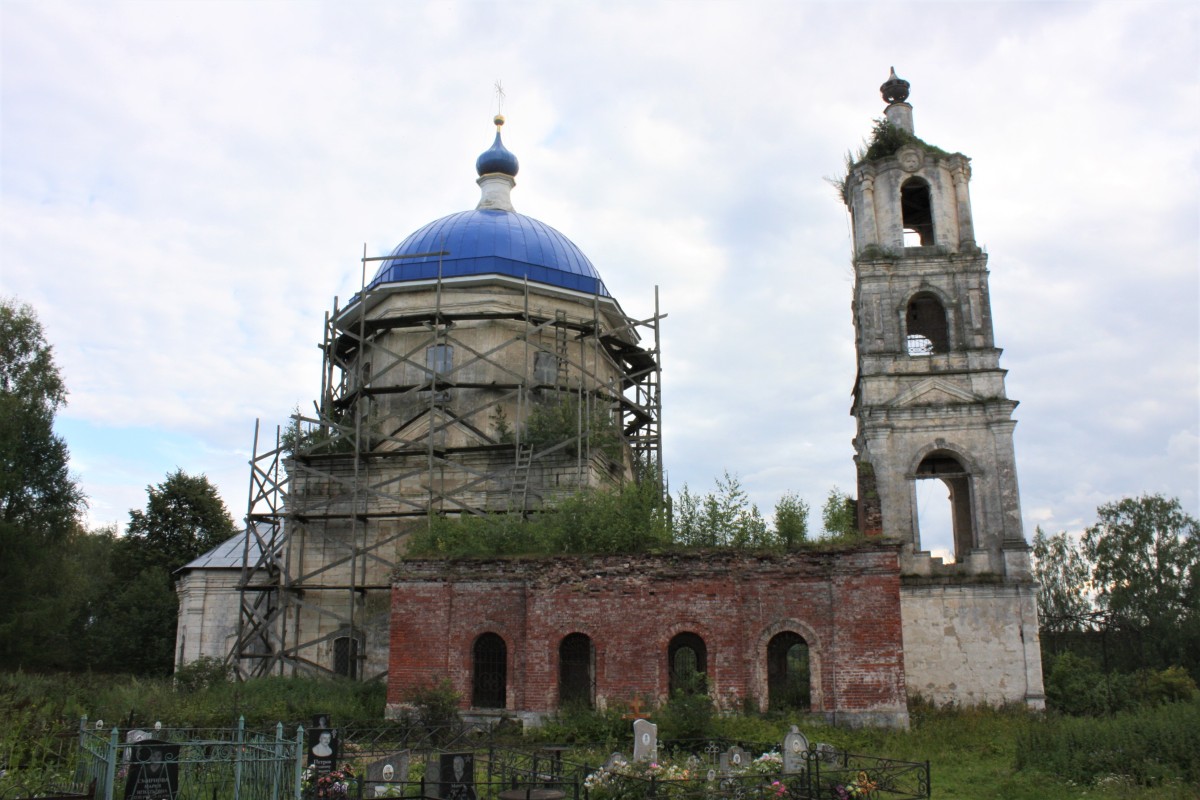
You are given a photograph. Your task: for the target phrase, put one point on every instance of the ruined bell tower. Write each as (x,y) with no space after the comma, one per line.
(930,405)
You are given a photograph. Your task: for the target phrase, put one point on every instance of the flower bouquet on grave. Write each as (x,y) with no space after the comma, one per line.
(338,784)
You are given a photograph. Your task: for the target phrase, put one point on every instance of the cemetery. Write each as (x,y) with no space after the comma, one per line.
(462,762)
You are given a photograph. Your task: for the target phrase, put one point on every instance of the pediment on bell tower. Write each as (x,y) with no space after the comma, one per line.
(934,392)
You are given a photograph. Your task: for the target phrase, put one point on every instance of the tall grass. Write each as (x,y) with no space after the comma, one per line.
(125,701)
(1148,747)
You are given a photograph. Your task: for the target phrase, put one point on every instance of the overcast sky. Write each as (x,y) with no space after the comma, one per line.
(186,187)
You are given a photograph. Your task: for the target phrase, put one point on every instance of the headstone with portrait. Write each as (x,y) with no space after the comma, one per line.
(734,759)
(322,750)
(153,771)
(645,740)
(383,773)
(795,751)
(455,776)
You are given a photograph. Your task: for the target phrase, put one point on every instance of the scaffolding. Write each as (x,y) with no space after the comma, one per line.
(404,432)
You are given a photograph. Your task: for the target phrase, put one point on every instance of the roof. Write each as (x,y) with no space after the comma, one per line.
(228,554)
(491,241)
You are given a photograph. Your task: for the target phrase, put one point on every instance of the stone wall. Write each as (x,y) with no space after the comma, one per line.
(845,605)
(209,605)
(972,643)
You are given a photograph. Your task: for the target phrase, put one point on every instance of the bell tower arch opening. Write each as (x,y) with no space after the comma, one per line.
(944,512)
(916,213)
(926,328)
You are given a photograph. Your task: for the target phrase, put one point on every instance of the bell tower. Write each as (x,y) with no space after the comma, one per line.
(930,405)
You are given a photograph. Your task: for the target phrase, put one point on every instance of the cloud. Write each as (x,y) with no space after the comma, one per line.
(187,187)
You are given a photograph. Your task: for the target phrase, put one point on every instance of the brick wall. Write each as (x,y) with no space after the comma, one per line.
(845,604)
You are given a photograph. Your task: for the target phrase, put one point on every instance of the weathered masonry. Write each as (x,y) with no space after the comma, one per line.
(931,405)
(526,637)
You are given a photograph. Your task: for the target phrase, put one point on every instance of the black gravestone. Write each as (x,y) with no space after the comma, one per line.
(322,750)
(457,773)
(153,771)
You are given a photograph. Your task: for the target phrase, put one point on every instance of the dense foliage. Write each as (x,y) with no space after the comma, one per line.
(39,503)
(1123,601)
(632,519)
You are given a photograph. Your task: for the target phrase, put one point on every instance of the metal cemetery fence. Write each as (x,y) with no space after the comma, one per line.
(206,764)
(240,764)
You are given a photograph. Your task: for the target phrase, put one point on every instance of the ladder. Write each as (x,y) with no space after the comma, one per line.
(518,491)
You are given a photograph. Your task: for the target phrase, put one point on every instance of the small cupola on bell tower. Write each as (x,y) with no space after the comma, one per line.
(906,195)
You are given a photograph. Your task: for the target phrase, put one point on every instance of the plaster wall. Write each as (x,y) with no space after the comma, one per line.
(972,644)
(208,614)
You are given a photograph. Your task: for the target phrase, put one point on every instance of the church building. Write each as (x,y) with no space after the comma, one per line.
(485,368)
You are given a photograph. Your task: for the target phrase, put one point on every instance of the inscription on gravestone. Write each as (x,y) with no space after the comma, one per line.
(153,771)
(645,740)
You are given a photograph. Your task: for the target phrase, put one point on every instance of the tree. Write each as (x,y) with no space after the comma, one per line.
(724,518)
(791,520)
(1145,555)
(184,517)
(1062,574)
(39,503)
(839,514)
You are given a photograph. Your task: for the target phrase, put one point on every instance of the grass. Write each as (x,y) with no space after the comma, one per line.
(973,753)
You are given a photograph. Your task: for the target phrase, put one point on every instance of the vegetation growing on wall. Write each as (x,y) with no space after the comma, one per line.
(885,140)
(562,420)
(633,519)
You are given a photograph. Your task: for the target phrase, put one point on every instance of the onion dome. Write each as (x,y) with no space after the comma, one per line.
(497,158)
(894,90)
(492,239)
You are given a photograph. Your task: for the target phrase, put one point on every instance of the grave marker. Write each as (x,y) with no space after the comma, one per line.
(795,750)
(322,750)
(153,771)
(645,740)
(388,770)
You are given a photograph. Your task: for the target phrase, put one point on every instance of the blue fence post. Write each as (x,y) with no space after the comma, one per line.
(238,754)
(277,761)
(298,787)
(81,765)
(110,768)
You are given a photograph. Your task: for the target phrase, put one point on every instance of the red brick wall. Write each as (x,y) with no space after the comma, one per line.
(845,604)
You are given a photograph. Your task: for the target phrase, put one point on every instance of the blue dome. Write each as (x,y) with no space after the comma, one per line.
(489,241)
(497,158)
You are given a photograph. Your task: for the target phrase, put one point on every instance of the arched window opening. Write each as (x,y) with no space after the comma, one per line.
(490,658)
(576,671)
(916,211)
(926,327)
(788,677)
(346,651)
(944,517)
(687,659)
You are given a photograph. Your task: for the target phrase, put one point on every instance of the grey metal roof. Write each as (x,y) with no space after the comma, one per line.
(228,554)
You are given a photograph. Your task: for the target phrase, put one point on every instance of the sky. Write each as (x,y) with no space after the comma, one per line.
(187,186)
